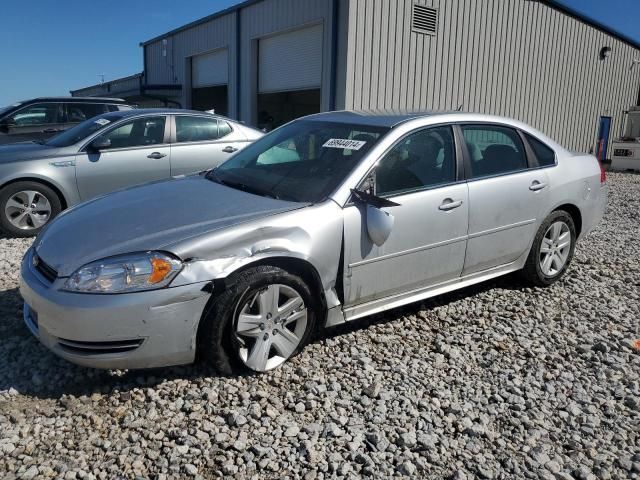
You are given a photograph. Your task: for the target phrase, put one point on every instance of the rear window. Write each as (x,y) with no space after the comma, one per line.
(494,150)
(545,155)
(79,112)
(224,129)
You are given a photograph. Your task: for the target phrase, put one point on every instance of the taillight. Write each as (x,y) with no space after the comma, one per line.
(603,173)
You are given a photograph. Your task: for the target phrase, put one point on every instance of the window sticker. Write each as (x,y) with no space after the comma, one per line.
(102,121)
(344,143)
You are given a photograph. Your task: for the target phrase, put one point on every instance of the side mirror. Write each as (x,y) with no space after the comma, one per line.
(379,222)
(100,143)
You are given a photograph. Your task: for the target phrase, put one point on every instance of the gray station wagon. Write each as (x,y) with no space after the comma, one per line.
(107,153)
(325,220)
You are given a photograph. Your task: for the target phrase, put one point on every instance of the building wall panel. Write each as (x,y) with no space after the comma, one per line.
(270,17)
(522,59)
(174,67)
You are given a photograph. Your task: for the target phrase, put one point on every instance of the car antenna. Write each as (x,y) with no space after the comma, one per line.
(459,108)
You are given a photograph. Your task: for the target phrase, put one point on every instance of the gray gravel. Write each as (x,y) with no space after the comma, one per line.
(496,381)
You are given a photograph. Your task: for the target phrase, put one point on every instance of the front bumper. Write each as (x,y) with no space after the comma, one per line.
(134,330)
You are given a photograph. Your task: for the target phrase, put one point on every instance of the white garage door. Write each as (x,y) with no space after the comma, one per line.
(291,61)
(210,69)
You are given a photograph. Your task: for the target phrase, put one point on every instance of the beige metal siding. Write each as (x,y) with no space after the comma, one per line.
(517,58)
(278,16)
(174,68)
(127,85)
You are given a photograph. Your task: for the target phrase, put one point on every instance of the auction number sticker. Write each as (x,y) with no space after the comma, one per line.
(344,143)
(102,121)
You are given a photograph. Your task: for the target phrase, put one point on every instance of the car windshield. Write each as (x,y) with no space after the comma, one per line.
(82,130)
(302,162)
(4,110)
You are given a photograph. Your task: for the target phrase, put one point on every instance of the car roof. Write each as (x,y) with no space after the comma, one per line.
(73,100)
(161,111)
(391,118)
(381,117)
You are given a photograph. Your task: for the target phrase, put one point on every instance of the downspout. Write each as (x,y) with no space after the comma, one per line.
(335,5)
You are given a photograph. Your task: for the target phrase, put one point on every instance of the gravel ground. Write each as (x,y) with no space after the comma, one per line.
(496,381)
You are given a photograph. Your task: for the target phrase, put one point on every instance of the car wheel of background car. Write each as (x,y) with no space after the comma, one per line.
(264,316)
(25,207)
(552,249)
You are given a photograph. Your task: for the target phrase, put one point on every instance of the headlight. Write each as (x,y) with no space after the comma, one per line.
(125,273)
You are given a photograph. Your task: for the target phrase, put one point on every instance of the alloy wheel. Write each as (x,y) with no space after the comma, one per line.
(28,210)
(270,326)
(555,248)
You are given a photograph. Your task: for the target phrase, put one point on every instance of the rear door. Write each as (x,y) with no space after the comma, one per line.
(202,142)
(139,153)
(508,195)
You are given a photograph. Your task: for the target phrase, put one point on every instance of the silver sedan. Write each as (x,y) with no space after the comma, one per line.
(322,221)
(107,153)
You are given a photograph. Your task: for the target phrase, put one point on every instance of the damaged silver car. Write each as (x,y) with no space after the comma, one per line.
(322,221)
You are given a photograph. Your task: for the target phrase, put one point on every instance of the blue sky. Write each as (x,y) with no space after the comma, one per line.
(50,47)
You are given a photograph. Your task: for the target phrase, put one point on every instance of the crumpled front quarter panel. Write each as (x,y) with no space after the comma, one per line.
(313,234)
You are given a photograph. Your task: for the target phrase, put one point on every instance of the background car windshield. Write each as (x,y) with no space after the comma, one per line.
(6,109)
(303,161)
(82,130)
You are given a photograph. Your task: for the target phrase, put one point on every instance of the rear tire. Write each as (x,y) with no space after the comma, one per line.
(264,317)
(552,250)
(26,207)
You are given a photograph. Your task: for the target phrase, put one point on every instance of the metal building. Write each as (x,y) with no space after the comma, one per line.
(267,61)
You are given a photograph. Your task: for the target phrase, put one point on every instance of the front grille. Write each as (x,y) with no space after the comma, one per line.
(43,269)
(100,348)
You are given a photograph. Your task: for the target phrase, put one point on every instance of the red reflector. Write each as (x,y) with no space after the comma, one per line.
(603,173)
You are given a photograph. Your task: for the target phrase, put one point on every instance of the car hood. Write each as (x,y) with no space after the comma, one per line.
(15,152)
(148,217)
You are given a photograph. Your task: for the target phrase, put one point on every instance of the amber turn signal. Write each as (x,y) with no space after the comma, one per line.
(160,269)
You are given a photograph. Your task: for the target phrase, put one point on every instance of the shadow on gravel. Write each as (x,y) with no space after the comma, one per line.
(31,369)
(507,282)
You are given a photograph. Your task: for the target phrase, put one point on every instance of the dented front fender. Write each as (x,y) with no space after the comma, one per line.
(312,234)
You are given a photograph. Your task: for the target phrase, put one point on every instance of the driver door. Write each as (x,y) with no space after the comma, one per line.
(428,239)
(139,153)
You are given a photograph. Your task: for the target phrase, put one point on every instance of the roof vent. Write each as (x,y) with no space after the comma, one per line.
(424,19)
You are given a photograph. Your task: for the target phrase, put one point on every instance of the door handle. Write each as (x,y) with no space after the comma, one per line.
(156,155)
(536,185)
(51,130)
(229,149)
(449,204)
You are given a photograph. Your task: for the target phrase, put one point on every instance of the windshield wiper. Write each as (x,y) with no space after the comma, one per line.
(241,186)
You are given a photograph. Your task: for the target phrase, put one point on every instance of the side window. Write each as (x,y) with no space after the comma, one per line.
(38,114)
(493,150)
(79,112)
(545,155)
(138,132)
(426,158)
(224,128)
(195,129)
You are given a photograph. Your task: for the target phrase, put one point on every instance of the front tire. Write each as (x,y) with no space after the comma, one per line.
(26,207)
(552,250)
(264,317)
